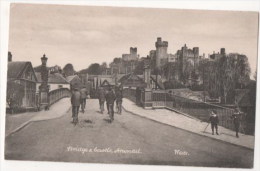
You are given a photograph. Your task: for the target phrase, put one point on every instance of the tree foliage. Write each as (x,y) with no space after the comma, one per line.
(226,74)
(94,69)
(68,70)
(139,69)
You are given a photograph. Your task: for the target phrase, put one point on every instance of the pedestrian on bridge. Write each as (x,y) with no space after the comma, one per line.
(83,97)
(236,120)
(110,98)
(101,97)
(75,102)
(119,100)
(214,121)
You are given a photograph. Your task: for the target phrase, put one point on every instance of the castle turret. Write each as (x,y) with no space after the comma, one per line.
(222,51)
(161,51)
(133,51)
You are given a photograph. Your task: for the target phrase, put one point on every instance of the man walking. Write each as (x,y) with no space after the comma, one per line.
(236,120)
(214,121)
(83,97)
(101,98)
(75,102)
(110,98)
(119,100)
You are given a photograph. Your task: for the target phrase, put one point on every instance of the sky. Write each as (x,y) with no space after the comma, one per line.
(82,35)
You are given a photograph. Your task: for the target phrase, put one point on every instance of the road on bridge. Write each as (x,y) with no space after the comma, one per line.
(95,140)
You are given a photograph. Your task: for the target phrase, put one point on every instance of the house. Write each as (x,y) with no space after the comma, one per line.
(55,81)
(21,84)
(74,81)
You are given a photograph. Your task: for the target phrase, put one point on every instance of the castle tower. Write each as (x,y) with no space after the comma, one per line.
(222,51)
(161,51)
(133,51)
(196,52)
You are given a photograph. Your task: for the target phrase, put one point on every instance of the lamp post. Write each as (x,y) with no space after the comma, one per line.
(44,88)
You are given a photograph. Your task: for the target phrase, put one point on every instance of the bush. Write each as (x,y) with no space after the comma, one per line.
(173,84)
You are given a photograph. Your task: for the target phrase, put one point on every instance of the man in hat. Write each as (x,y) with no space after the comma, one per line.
(236,120)
(110,98)
(214,121)
(75,102)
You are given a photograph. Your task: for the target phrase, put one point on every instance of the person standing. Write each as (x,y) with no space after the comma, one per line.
(75,102)
(83,97)
(236,120)
(214,121)
(101,98)
(119,100)
(110,98)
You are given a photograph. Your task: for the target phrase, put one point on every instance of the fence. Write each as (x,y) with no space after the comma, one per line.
(130,93)
(55,95)
(195,108)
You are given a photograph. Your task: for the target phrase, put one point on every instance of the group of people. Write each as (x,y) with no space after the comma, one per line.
(214,120)
(110,96)
(78,99)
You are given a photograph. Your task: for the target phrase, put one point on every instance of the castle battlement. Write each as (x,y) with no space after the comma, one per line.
(161,44)
(133,50)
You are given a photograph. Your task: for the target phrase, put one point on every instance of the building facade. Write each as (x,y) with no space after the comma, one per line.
(22,74)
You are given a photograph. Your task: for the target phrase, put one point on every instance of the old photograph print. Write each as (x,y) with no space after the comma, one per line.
(122,85)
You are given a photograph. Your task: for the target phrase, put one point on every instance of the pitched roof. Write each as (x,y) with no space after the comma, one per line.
(110,81)
(53,78)
(15,69)
(70,78)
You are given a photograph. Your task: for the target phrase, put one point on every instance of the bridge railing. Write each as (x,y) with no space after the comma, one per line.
(130,93)
(195,108)
(58,94)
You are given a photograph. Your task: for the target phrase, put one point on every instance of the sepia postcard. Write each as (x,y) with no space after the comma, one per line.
(128,85)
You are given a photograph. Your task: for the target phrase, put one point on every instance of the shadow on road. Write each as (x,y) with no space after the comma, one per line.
(107,120)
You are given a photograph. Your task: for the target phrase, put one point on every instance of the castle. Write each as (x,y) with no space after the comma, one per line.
(132,56)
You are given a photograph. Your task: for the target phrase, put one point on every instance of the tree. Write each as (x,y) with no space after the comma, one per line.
(139,69)
(228,76)
(170,70)
(117,60)
(188,68)
(242,70)
(94,69)
(103,67)
(68,70)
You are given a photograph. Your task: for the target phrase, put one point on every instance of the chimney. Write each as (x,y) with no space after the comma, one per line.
(9,57)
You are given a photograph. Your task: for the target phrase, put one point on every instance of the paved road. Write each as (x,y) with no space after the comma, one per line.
(147,142)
